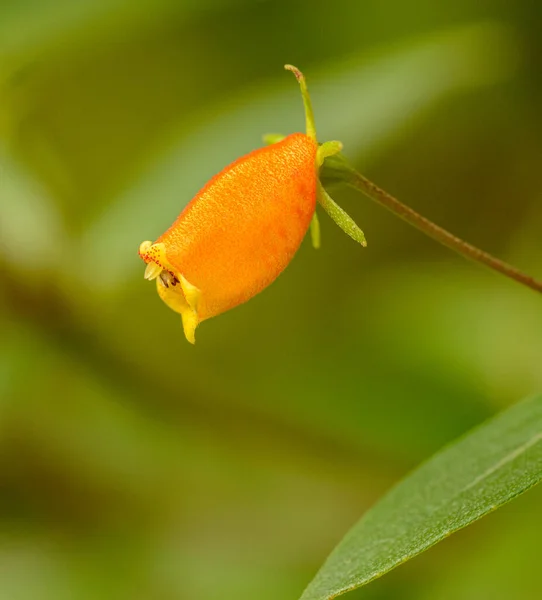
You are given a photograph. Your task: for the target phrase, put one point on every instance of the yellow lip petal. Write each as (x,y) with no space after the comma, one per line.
(190,322)
(175,298)
(191,293)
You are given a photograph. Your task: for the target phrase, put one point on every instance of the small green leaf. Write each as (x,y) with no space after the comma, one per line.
(341,217)
(472,477)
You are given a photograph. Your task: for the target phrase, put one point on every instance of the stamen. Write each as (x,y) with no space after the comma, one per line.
(168,279)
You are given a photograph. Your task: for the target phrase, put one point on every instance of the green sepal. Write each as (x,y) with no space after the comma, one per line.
(342,218)
(315,231)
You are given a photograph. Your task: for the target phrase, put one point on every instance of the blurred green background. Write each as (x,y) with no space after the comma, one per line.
(135,466)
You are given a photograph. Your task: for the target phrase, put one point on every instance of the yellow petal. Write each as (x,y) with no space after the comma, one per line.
(191,293)
(190,322)
(157,253)
(182,299)
(172,296)
(144,246)
(152,271)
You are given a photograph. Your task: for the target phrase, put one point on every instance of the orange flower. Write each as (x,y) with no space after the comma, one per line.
(244,227)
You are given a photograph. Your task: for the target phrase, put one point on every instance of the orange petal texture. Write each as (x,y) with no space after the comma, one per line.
(243,228)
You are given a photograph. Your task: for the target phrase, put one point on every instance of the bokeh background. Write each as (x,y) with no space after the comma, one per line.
(135,466)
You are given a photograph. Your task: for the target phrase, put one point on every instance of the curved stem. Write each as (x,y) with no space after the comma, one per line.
(362,184)
(309,115)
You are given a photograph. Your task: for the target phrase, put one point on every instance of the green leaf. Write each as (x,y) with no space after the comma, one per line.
(472,477)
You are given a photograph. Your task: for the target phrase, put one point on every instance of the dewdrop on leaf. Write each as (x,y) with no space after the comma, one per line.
(244,226)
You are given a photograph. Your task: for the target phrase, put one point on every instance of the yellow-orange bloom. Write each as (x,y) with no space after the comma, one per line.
(241,230)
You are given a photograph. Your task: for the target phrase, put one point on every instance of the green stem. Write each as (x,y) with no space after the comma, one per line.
(362,184)
(309,115)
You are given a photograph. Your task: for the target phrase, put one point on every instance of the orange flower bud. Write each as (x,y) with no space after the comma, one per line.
(241,230)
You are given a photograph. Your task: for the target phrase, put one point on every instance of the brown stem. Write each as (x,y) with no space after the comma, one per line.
(362,184)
